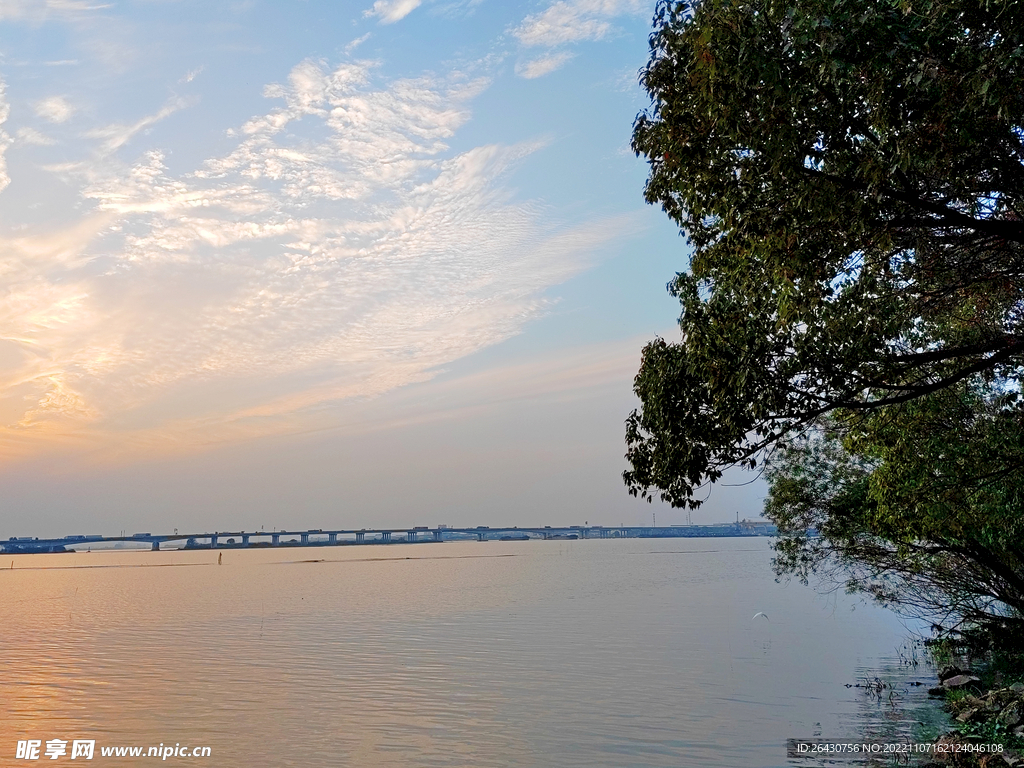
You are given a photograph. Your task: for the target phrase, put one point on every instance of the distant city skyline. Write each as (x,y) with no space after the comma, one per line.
(326,264)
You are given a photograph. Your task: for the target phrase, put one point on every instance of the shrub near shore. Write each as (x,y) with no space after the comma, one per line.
(987,706)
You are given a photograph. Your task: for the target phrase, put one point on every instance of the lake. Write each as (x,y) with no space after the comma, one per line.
(633,652)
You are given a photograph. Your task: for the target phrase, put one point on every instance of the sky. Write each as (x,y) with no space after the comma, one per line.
(325,264)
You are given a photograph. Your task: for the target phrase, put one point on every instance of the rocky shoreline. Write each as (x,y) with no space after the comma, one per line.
(985,717)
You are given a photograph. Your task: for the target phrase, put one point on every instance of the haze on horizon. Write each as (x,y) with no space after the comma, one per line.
(325,264)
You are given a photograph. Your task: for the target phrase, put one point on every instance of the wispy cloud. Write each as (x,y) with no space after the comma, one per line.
(542,66)
(192,74)
(357,42)
(339,250)
(565,22)
(570,21)
(40,9)
(31,136)
(116,135)
(390,11)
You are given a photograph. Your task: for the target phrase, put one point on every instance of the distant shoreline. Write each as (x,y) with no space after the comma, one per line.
(376,536)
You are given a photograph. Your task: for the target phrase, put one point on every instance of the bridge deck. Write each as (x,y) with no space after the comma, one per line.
(348,536)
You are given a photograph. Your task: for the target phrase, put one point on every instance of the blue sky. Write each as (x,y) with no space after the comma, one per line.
(316,264)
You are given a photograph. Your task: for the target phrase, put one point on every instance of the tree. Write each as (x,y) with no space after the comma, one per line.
(920,506)
(849,175)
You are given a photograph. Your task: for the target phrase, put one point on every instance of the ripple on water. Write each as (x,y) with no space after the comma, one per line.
(588,653)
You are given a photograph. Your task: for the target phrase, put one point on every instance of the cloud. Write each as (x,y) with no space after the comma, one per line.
(33,137)
(572,21)
(35,10)
(340,249)
(117,135)
(56,109)
(357,42)
(542,66)
(390,11)
(5,139)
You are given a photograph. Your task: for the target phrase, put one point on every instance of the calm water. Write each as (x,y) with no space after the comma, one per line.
(571,653)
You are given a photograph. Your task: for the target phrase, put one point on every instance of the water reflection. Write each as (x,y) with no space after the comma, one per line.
(588,653)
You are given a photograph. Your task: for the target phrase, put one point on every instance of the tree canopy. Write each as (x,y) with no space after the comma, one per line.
(850,176)
(920,506)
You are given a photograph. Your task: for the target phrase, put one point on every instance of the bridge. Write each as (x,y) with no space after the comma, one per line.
(319,537)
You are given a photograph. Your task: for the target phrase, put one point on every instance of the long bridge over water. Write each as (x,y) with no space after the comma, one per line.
(351,536)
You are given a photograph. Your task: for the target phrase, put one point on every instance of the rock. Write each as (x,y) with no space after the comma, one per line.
(992,703)
(961,681)
(1012,715)
(968,715)
(1000,698)
(1017,687)
(973,704)
(1019,731)
(950,671)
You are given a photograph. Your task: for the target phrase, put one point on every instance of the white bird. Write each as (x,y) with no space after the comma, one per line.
(761,613)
